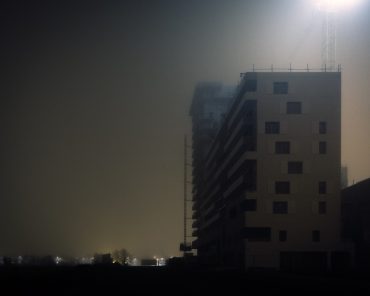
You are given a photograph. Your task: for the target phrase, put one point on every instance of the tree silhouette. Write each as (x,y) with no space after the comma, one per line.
(121,256)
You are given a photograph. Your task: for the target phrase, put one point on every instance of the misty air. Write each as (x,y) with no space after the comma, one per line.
(185,146)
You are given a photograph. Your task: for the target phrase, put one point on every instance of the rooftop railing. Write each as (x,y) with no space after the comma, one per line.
(324,68)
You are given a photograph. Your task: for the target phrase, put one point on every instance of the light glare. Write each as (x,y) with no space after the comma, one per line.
(335,5)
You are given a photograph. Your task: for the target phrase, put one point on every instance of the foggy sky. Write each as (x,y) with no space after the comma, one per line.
(95,100)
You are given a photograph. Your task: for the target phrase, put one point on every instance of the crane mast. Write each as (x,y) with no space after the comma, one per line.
(328,49)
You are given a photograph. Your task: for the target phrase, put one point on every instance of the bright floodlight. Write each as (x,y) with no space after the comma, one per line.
(335,5)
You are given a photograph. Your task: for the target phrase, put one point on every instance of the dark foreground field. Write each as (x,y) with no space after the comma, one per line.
(118,280)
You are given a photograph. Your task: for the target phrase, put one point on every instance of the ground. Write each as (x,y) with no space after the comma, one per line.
(119,280)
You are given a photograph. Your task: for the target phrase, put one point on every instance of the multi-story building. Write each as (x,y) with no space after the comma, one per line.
(269,195)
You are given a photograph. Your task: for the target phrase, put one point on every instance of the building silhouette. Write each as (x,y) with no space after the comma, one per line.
(267,178)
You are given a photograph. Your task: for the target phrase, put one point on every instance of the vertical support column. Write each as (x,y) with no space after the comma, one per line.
(185,194)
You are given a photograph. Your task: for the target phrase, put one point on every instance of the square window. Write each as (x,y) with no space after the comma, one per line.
(293,107)
(322,187)
(272,127)
(280,88)
(316,236)
(280,207)
(282,187)
(322,127)
(295,167)
(282,147)
(322,207)
(283,235)
(322,147)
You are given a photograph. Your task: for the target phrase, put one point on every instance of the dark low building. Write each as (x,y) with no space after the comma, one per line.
(356,221)
(148,262)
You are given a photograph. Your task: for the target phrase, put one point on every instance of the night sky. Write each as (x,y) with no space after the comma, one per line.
(94,107)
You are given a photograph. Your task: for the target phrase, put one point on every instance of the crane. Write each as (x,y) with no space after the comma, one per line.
(328,46)
(330,9)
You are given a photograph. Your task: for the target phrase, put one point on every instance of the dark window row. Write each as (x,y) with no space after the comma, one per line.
(283,147)
(273,127)
(263,234)
(283,187)
(278,207)
(257,234)
(283,236)
(279,87)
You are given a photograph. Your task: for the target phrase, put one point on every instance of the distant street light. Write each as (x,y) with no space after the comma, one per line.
(156,260)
